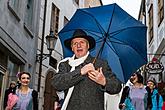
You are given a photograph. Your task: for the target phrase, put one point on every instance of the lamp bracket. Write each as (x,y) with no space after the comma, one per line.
(44,56)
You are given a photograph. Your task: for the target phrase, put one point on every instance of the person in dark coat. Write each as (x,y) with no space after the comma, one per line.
(86,81)
(11,89)
(163,95)
(155,97)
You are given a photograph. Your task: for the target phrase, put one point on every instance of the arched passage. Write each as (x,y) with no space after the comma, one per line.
(50,92)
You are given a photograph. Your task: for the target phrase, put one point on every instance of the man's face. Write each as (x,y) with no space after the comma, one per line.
(151,85)
(80,47)
(13,85)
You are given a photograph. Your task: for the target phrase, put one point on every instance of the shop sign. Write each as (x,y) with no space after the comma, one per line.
(154,67)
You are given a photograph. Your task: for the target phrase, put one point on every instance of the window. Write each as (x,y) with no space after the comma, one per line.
(3,58)
(14,7)
(28,14)
(13,69)
(151,24)
(54,19)
(160,11)
(53,62)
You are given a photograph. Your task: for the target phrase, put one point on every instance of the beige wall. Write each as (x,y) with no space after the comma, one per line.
(92,3)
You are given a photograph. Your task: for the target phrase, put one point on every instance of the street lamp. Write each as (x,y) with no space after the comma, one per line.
(50,41)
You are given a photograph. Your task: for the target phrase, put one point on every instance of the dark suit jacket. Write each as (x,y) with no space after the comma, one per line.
(35,99)
(87,95)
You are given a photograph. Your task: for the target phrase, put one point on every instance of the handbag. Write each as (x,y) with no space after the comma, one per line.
(12,100)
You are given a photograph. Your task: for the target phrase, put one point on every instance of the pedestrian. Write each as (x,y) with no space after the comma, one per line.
(27,97)
(57,105)
(163,95)
(11,89)
(155,97)
(58,100)
(134,96)
(86,82)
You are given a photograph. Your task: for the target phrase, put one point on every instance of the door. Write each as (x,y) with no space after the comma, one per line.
(50,93)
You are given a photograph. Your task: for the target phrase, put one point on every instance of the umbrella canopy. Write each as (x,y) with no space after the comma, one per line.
(120,38)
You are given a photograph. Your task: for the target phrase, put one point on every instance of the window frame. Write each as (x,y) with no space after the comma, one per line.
(14,8)
(160,11)
(54,22)
(150,23)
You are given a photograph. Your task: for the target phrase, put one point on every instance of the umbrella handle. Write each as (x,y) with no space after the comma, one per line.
(98,69)
(94,60)
(97,55)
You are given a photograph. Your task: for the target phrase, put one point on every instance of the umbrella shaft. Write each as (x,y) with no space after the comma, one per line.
(101,48)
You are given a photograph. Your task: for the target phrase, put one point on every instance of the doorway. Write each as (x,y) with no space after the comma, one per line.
(50,93)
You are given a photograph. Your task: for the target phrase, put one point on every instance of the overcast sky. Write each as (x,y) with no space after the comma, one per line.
(130,6)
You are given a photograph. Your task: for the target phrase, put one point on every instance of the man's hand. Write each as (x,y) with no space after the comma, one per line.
(97,76)
(122,106)
(56,106)
(87,68)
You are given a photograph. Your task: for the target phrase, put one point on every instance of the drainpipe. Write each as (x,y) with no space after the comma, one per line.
(42,47)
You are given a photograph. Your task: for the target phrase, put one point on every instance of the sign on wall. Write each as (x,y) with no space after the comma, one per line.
(154,67)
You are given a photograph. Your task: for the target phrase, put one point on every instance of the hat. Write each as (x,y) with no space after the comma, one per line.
(80,34)
(13,82)
(152,80)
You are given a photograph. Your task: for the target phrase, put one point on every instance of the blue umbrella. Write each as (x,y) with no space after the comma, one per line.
(120,39)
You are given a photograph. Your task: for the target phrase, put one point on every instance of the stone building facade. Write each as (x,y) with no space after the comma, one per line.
(152,14)
(18,40)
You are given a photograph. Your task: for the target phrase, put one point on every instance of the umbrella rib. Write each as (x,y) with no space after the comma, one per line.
(116,54)
(91,32)
(98,24)
(123,43)
(118,31)
(111,48)
(100,50)
(111,19)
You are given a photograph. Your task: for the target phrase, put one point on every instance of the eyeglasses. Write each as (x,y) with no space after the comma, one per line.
(78,43)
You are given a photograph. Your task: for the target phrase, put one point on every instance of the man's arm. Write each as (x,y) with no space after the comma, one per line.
(65,79)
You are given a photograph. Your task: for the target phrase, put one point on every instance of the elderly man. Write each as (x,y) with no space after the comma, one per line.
(88,81)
